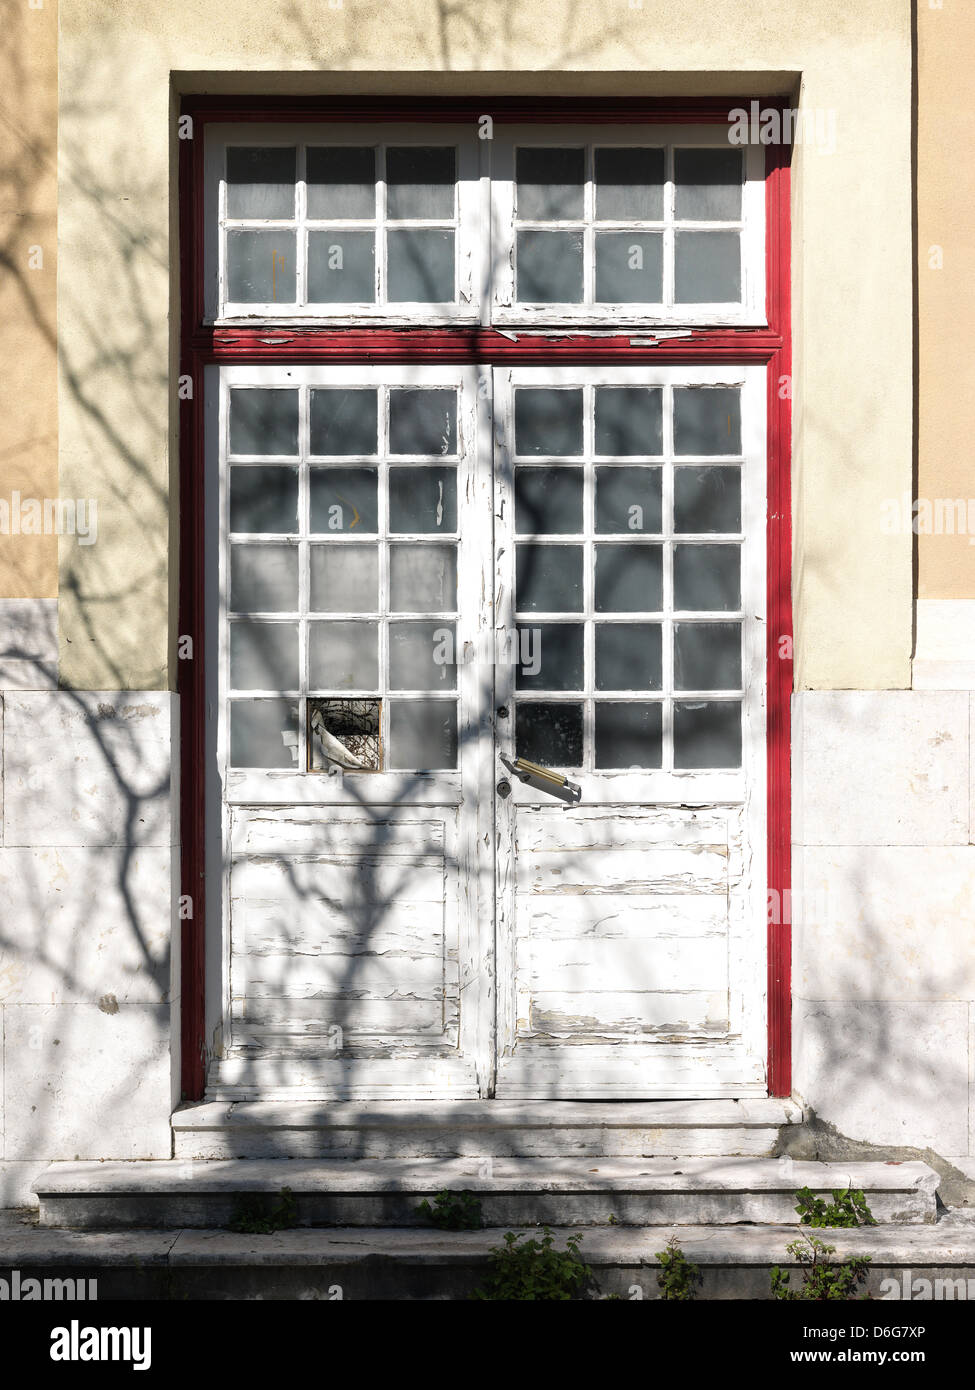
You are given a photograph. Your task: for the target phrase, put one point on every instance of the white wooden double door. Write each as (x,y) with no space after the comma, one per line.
(421,572)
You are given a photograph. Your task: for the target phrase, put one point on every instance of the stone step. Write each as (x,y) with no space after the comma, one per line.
(513,1191)
(455,1129)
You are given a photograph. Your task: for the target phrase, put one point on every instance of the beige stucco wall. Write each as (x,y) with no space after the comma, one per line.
(853,261)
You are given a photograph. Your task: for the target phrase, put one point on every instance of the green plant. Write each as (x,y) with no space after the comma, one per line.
(256,1218)
(677,1277)
(453,1211)
(822,1280)
(527,1270)
(848,1208)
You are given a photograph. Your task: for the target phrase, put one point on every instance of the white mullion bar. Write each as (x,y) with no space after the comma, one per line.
(381,224)
(670,238)
(667,567)
(301,230)
(588,232)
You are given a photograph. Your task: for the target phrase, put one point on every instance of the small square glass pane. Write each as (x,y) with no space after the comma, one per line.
(422,656)
(549,268)
(550,184)
(629,268)
(420,181)
(629,185)
(629,420)
(628,656)
(628,499)
(422,501)
(344,420)
(628,735)
(708,185)
(343,500)
(343,656)
(343,578)
(423,578)
(263,733)
(263,421)
(707,733)
(549,733)
(548,501)
(341,181)
(707,656)
(260,182)
(707,499)
(707,578)
(263,579)
(548,423)
(261,266)
(423,421)
(549,578)
(263,498)
(629,578)
(551,656)
(263,656)
(707,420)
(422,734)
(707,268)
(420,266)
(341,266)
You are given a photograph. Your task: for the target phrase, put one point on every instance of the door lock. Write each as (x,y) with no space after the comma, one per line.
(504,788)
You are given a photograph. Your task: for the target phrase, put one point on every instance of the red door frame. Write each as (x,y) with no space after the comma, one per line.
(200,345)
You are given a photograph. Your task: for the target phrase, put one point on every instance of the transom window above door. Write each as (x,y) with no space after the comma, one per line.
(432,224)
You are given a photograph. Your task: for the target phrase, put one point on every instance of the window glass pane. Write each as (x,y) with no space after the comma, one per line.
(264,422)
(549,733)
(548,501)
(707,420)
(341,181)
(551,656)
(707,268)
(707,656)
(422,578)
(263,499)
(707,499)
(264,656)
(628,656)
(420,266)
(343,656)
(423,421)
(549,267)
(344,421)
(550,184)
(629,268)
(422,500)
(341,267)
(422,656)
(628,499)
(629,420)
(548,423)
(629,578)
(708,185)
(261,266)
(343,499)
(549,578)
(260,182)
(344,578)
(420,181)
(263,733)
(629,184)
(707,734)
(707,577)
(264,579)
(422,734)
(628,735)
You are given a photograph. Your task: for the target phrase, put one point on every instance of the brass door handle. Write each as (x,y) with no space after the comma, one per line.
(559,784)
(536,770)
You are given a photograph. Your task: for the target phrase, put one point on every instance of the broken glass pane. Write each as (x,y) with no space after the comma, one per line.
(344,733)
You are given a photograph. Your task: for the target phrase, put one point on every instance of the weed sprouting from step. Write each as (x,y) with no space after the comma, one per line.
(822,1280)
(254,1217)
(677,1277)
(529,1270)
(848,1208)
(453,1211)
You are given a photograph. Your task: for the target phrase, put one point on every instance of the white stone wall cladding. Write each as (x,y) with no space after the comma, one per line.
(89,868)
(883,915)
